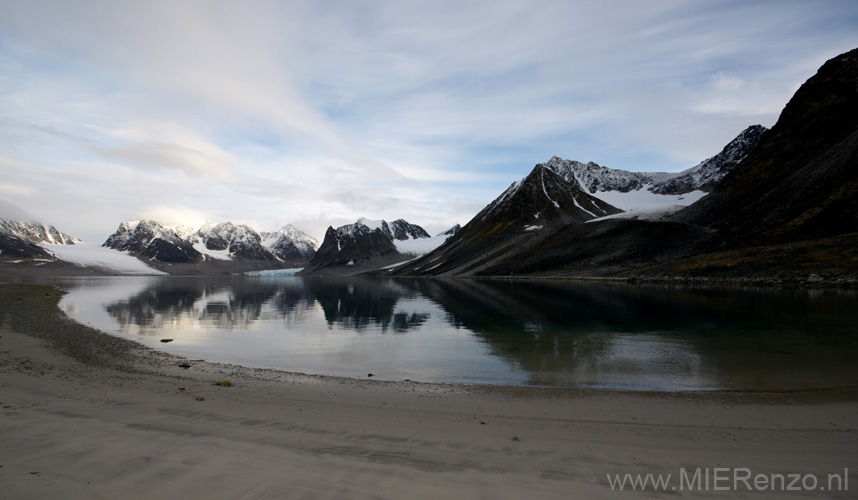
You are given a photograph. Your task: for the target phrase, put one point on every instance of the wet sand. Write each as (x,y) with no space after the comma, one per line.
(87,415)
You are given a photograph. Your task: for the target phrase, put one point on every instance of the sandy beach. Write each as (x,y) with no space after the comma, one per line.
(86,415)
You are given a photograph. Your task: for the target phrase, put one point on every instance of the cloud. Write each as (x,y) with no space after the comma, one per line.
(11,211)
(169,157)
(171,215)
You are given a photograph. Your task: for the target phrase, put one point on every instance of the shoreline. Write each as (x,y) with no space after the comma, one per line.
(88,415)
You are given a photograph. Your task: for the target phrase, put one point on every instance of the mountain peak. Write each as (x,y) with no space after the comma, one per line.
(36,232)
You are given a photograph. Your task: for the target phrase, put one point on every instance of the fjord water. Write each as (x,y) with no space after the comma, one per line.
(516,332)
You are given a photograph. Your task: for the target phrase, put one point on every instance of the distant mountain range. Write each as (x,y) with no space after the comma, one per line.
(213,246)
(776,204)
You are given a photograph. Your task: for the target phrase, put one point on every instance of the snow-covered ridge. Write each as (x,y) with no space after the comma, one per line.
(37,233)
(398,230)
(594,178)
(212,240)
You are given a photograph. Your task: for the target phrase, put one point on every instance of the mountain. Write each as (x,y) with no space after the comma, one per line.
(155,242)
(36,232)
(236,240)
(290,245)
(704,176)
(34,249)
(563,192)
(801,182)
(216,248)
(13,249)
(365,245)
(782,204)
(539,203)
(21,241)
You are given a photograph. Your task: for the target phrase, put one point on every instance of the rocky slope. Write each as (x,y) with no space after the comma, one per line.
(801,182)
(20,242)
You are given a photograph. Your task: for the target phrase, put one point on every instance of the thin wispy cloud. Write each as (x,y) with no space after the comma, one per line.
(316,113)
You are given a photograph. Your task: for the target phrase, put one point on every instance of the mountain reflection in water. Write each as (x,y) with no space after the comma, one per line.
(554,333)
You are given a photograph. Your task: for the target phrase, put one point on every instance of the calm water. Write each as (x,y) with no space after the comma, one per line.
(548,333)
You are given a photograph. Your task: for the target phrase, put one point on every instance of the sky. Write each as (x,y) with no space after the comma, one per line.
(317,113)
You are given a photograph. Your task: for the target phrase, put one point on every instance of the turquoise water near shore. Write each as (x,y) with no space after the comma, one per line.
(512,332)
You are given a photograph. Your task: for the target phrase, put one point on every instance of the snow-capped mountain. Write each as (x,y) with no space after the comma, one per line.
(402,230)
(596,179)
(234,240)
(153,241)
(238,245)
(290,244)
(36,232)
(399,229)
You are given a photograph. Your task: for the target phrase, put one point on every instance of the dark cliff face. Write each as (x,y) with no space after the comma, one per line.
(13,247)
(801,182)
(358,247)
(340,248)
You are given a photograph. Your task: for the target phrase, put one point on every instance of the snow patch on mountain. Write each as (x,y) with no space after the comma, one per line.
(420,246)
(644,199)
(652,214)
(199,246)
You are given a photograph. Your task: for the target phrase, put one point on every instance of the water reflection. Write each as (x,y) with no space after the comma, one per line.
(358,304)
(556,333)
(230,304)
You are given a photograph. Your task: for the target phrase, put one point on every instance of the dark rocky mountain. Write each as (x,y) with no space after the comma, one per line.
(362,246)
(14,248)
(782,208)
(801,182)
(527,211)
(402,230)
